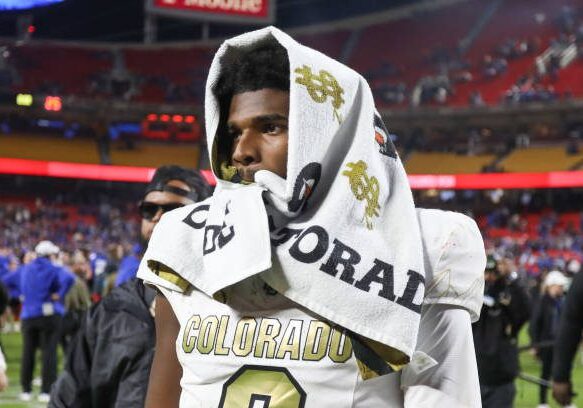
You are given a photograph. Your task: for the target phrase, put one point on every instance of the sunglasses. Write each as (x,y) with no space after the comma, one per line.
(149,210)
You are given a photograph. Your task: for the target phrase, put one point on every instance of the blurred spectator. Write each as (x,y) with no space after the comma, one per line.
(505,310)
(4,261)
(3,308)
(78,299)
(392,94)
(108,364)
(544,324)
(12,282)
(43,286)
(128,266)
(100,266)
(476,99)
(567,339)
(493,67)
(528,89)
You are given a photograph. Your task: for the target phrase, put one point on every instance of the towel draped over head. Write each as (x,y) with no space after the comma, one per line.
(338,235)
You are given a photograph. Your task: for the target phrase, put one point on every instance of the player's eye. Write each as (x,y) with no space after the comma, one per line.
(273,128)
(233,133)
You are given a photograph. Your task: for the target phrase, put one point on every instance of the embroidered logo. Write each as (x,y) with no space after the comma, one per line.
(320,87)
(383,139)
(364,188)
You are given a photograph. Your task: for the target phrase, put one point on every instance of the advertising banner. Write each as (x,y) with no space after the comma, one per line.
(237,11)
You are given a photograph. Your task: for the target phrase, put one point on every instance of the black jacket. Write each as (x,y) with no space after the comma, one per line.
(108,364)
(544,322)
(569,334)
(496,332)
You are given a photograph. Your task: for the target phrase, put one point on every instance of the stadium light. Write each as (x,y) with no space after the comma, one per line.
(24,99)
(53,103)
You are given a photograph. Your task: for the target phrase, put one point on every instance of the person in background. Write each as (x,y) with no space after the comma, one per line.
(3,307)
(505,311)
(78,299)
(4,261)
(128,266)
(99,264)
(544,325)
(567,339)
(42,287)
(12,283)
(108,363)
(115,253)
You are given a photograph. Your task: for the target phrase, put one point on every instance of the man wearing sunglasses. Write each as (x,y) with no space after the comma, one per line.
(171,187)
(109,360)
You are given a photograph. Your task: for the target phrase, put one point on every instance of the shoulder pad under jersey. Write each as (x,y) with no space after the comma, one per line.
(454,258)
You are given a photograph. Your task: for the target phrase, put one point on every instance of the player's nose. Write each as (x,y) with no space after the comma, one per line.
(247,148)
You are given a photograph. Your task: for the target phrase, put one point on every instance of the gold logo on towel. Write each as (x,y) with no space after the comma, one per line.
(364,188)
(320,87)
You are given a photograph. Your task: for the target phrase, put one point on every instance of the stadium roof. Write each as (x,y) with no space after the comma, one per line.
(115,20)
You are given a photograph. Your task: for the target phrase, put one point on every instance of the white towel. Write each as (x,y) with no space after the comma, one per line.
(339,235)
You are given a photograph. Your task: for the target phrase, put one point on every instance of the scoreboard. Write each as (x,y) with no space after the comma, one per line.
(229,11)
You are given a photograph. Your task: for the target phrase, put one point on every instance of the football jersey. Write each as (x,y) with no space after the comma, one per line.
(252,347)
(258,349)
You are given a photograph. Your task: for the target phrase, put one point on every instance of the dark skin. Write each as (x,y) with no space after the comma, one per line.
(258,127)
(162,198)
(166,372)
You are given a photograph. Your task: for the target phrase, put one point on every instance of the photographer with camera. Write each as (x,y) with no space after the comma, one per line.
(504,312)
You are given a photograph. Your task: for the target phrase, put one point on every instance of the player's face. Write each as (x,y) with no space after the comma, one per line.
(258,126)
(155,203)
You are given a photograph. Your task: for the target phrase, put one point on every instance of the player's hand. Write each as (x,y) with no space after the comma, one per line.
(562,392)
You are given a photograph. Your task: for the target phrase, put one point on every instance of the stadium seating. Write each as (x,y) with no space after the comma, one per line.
(570,79)
(446,163)
(152,154)
(513,20)
(68,68)
(329,43)
(407,44)
(179,66)
(50,148)
(540,159)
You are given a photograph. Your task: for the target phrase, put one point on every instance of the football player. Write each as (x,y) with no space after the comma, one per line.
(253,347)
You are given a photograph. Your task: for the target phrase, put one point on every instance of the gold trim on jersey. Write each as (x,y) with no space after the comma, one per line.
(372,360)
(168,274)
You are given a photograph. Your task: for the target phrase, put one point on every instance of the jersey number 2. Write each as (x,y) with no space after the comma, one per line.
(254,386)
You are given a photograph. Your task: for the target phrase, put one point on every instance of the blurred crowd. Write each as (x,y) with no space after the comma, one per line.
(95,241)
(537,242)
(83,253)
(533,277)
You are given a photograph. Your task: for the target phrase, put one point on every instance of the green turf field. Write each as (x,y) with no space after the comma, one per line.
(527,393)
